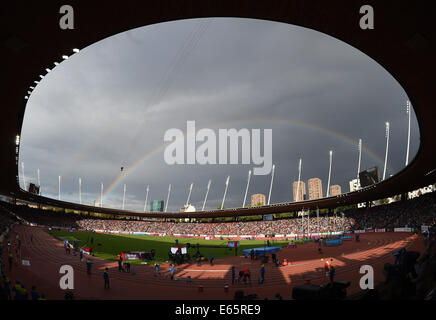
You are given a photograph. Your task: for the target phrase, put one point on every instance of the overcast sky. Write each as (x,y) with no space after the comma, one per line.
(109,106)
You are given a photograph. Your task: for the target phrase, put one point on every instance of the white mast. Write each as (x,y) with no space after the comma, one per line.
(387,150)
(80,190)
(246,189)
(298,183)
(24,179)
(207,192)
(358,165)
(124,195)
(408,132)
(189,195)
(225,192)
(39,182)
(168,197)
(59,187)
(272,180)
(101,196)
(330,172)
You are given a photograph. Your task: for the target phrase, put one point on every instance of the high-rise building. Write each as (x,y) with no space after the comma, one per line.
(188,208)
(156,205)
(258,199)
(315,188)
(335,190)
(354,185)
(301,192)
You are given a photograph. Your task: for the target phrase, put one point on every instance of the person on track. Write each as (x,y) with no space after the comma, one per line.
(88,266)
(332,273)
(106,278)
(120,263)
(262,273)
(10,260)
(172,272)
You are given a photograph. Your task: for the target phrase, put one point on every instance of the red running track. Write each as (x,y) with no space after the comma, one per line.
(46,255)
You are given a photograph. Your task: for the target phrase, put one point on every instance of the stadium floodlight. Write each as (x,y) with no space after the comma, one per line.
(246,189)
(272,180)
(225,192)
(358,164)
(41,76)
(39,181)
(47,69)
(387,149)
(299,177)
(317,219)
(32,87)
(189,195)
(146,197)
(408,110)
(59,188)
(22,172)
(56,63)
(80,190)
(36,81)
(168,197)
(26,97)
(64,57)
(76,50)
(101,196)
(29,93)
(207,192)
(330,173)
(124,195)
(17,139)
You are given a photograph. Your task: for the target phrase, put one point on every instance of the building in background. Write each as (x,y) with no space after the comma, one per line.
(258,199)
(421,191)
(335,190)
(314,186)
(301,192)
(354,185)
(188,208)
(156,205)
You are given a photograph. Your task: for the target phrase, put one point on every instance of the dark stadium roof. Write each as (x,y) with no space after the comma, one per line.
(403,42)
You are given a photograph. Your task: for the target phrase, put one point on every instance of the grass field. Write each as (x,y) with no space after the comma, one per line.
(111,245)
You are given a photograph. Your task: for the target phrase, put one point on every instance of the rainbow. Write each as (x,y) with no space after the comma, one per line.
(348,140)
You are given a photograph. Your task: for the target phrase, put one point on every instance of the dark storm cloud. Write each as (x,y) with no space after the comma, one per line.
(110,104)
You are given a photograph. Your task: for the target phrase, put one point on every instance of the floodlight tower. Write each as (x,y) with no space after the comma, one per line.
(317,219)
(298,183)
(330,173)
(146,197)
(225,192)
(124,195)
(272,181)
(59,187)
(39,182)
(101,196)
(358,164)
(80,190)
(168,197)
(207,192)
(189,195)
(408,132)
(22,172)
(246,189)
(387,149)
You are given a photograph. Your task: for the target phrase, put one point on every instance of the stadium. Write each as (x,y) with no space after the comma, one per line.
(305,248)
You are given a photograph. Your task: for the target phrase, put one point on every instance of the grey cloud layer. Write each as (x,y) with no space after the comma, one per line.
(110,104)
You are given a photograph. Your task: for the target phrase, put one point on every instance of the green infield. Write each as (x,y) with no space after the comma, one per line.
(108,246)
